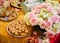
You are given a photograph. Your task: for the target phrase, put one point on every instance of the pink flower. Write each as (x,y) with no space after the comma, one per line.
(59,19)
(31,15)
(42,25)
(1,1)
(55,18)
(45,24)
(49,9)
(0,6)
(36,10)
(38,6)
(39,40)
(58,10)
(34,21)
(48,24)
(44,5)
(49,34)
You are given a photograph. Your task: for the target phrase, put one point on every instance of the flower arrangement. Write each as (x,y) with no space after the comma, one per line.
(45,15)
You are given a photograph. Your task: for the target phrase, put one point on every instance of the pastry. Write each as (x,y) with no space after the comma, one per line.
(19,29)
(9,14)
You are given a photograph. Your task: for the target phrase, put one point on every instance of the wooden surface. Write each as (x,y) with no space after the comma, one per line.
(5,37)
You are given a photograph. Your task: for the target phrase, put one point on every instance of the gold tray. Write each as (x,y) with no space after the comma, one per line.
(15,35)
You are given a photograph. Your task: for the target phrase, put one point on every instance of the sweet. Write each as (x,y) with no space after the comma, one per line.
(8,14)
(18,28)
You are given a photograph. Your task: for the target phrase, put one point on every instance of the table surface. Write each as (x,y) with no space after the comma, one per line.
(5,37)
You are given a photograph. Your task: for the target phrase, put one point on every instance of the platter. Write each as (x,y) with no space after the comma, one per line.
(9,14)
(18,29)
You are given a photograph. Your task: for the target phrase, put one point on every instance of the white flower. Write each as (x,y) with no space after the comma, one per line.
(26,19)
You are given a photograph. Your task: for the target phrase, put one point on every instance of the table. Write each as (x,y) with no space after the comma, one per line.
(5,37)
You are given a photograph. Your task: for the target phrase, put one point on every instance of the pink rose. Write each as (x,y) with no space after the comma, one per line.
(44,5)
(49,9)
(36,10)
(39,40)
(31,15)
(59,19)
(58,10)
(55,18)
(34,21)
(39,6)
(1,1)
(0,6)
(42,25)
(49,34)
(48,24)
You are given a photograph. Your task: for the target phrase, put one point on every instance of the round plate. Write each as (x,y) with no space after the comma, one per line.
(12,34)
(10,14)
(9,18)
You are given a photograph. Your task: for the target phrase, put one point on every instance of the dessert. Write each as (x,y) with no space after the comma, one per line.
(18,29)
(8,14)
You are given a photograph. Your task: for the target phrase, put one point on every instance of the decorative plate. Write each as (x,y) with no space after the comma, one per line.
(18,29)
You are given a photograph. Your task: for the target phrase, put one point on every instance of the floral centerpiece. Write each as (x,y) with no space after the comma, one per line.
(46,15)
